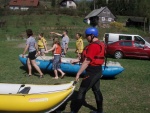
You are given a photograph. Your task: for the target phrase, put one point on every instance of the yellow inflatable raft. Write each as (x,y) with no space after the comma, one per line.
(33,98)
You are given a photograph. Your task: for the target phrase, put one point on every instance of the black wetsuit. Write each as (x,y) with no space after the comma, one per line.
(91,80)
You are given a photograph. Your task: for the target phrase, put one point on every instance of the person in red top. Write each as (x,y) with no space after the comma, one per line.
(92,59)
(57,58)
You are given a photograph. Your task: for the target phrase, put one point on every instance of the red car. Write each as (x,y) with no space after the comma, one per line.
(127,48)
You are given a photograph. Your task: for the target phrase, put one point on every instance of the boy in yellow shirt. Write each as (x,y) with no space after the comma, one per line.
(79,45)
(42,44)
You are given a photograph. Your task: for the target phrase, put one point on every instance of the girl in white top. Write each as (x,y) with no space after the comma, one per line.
(32,48)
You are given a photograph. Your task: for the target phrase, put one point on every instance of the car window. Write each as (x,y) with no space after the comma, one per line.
(122,37)
(138,44)
(139,39)
(126,43)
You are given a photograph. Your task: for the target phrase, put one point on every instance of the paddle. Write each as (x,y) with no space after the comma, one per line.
(105,65)
(39,56)
(42,57)
(74,83)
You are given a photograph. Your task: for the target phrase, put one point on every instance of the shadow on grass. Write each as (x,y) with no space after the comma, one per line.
(23,68)
(51,73)
(34,72)
(108,78)
(73,104)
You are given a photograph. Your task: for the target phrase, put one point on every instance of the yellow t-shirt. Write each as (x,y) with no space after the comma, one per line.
(79,45)
(40,43)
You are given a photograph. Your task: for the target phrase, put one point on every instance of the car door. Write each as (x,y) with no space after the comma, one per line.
(142,50)
(128,48)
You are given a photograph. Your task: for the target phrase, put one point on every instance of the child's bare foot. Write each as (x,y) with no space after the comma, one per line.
(29,75)
(55,78)
(41,76)
(62,76)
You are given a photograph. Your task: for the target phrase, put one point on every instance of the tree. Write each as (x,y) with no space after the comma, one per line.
(84,6)
(53,4)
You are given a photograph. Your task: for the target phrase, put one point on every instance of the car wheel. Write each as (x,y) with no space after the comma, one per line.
(118,55)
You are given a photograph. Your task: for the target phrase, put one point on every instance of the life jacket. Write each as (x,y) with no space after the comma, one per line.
(99,58)
(57,49)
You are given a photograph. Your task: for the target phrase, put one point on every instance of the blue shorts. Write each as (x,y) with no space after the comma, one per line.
(56,62)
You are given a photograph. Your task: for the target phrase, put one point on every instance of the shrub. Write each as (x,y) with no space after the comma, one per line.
(118,26)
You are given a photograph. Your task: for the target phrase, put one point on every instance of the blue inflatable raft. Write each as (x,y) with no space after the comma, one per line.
(45,63)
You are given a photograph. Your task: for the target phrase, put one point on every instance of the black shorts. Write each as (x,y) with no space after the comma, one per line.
(31,55)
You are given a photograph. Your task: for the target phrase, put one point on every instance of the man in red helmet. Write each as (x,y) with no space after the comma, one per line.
(92,60)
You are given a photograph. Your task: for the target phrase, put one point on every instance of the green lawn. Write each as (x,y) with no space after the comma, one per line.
(129,92)
(17,24)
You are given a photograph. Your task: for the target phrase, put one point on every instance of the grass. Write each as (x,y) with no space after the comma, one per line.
(128,92)
(17,24)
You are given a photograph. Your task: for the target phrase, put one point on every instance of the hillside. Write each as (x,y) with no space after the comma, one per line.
(17,24)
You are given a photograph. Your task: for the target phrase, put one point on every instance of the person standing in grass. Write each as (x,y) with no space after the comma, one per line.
(57,58)
(79,45)
(64,43)
(92,58)
(42,44)
(32,48)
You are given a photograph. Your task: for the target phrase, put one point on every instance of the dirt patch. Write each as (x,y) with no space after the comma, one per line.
(21,45)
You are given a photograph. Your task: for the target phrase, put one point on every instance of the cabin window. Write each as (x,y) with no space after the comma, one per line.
(16,8)
(24,8)
(122,37)
(109,19)
(11,7)
(103,18)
